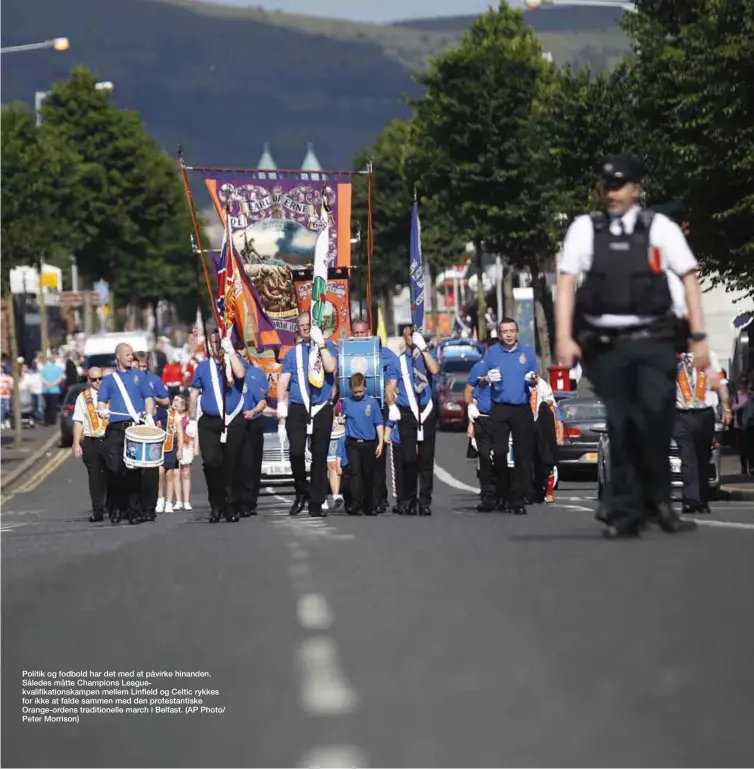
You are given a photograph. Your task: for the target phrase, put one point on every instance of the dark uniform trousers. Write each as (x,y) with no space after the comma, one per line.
(253,450)
(485,444)
(222,461)
(693,432)
(295,425)
(636,380)
(361,466)
(124,485)
(380,471)
(418,458)
(150,489)
(515,419)
(93,450)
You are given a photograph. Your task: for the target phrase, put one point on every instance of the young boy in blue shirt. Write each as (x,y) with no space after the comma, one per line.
(363,444)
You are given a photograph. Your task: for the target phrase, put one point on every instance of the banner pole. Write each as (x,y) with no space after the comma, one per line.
(370,245)
(195,222)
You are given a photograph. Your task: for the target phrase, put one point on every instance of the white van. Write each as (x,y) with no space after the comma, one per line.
(99,349)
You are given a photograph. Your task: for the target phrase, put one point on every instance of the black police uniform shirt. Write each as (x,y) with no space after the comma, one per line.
(676,259)
(137,387)
(362,418)
(209,399)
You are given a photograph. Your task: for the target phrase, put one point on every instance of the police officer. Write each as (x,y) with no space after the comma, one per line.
(478,398)
(123,396)
(694,428)
(310,414)
(220,443)
(638,269)
(150,476)
(511,369)
(408,392)
(360,328)
(255,402)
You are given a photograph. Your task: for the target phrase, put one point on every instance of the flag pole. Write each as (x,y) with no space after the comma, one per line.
(370,244)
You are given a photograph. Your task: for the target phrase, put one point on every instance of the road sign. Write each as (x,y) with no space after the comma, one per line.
(102,287)
(75,298)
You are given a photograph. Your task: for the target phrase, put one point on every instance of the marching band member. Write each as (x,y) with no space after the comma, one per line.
(169,473)
(122,397)
(89,442)
(220,443)
(189,450)
(694,427)
(255,402)
(360,328)
(304,411)
(511,370)
(150,477)
(408,392)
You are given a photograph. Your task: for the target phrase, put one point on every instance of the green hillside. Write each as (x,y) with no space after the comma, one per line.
(221,80)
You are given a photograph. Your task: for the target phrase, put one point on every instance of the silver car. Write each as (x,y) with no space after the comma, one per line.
(713,470)
(276,460)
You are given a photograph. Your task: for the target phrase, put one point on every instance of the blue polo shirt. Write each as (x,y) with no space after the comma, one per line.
(341,452)
(157,390)
(362,417)
(394,374)
(255,389)
(482,392)
(203,381)
(137,387)
(395,435)
(514,365)
(317,394)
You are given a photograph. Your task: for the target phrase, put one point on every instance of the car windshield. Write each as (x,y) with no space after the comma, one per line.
(104,360)
(461,364)
(583,411)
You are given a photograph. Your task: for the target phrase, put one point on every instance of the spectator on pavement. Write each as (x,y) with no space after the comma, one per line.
(6,397)
(53,378)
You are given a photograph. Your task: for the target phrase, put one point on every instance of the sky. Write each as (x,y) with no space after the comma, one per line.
(374,10)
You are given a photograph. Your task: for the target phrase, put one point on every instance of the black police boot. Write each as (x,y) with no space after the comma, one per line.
(214,515)
(298,505)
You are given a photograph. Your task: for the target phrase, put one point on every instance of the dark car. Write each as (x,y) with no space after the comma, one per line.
(456,358)
(580,441)
(66,414)
(451,408)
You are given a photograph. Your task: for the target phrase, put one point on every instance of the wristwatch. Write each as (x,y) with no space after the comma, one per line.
(697,336)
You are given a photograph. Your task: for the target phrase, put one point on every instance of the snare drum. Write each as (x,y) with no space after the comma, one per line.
(144,447)
(361,355)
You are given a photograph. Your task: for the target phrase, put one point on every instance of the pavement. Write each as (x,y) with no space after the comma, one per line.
(463,639)
(36,443)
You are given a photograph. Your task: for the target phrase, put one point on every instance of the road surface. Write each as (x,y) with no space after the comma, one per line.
(463,639)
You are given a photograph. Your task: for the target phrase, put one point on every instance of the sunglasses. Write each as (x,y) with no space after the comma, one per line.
(95,378)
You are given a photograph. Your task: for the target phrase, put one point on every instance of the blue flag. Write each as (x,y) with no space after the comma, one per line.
(416,271)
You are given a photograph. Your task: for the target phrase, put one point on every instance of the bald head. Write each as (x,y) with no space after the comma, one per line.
(124,354)
(304,325)
(94,375)
(359,328)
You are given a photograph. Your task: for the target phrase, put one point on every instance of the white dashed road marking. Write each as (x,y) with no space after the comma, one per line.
(324,689)
(314,613)
(334,757)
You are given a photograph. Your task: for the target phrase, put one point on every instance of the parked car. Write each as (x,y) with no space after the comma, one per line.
(456,358)
(66,414)
(580,442)
(713,470)
(276,458)
(451,408)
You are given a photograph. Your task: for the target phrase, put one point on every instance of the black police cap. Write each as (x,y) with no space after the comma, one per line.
(621,168)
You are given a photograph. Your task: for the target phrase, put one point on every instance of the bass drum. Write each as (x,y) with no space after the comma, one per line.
(362,355)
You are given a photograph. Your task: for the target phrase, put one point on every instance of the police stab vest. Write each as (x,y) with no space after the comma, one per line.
(626,277)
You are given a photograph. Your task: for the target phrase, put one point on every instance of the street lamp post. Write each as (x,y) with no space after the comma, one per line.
(58,43)
(39,97)
(624,6)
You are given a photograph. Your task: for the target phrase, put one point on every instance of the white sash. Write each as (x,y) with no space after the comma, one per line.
(412,402)
(126,397)
(219,400)
(303,386)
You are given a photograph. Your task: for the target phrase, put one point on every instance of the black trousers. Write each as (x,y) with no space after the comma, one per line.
(635,379)
(295,426)
(515,419)
(396,466)
(93,450)
(361,467)
(485,444)
(693,432)
(222,461)
(51,407)
(380,472)
(150,489)
(418,458)
(253,449)
(123,485)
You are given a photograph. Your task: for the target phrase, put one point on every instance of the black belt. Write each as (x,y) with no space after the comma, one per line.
(121,425)
(498,403)
(94,437)
(361,440)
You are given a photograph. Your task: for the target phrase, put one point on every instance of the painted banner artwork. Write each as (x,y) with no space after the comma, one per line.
(336,319)
(275,224)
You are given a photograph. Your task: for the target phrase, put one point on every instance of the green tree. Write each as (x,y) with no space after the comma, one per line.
(134,224)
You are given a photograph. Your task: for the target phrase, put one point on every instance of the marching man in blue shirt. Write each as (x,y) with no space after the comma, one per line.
(255,402)
(304,411)
(363,444)
(408,392)
(123,397)
(512,371)
(220,443)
